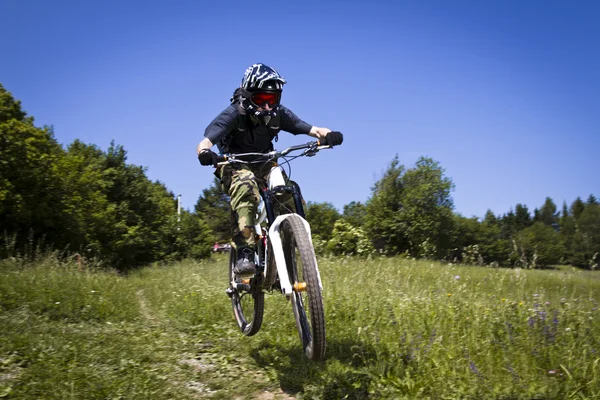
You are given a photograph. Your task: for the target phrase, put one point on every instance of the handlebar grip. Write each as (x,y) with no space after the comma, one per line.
(323,142)
(221,158)
(333,138)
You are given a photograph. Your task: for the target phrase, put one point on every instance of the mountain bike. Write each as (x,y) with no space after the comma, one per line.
(284,254)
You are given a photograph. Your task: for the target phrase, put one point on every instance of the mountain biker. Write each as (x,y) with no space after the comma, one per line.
(249,124)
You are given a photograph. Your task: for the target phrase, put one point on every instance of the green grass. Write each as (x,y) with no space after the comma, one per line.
(395,329)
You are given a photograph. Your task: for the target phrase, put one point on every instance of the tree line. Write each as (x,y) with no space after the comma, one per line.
(85,200)
(88,201)
(410,212)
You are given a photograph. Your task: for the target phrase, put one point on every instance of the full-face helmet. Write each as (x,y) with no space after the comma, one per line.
(262,87)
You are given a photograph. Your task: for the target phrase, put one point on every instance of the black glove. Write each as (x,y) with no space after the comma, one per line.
(334,138)
(208,157)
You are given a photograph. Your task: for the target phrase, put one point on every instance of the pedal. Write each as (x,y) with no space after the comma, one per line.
(242,286)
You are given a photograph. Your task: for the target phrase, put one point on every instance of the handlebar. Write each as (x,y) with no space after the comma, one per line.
(310,149)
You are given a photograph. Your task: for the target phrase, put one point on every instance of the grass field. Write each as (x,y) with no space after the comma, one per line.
(395,328)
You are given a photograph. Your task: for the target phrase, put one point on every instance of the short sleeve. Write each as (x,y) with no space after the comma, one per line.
(224,123)
(292,124)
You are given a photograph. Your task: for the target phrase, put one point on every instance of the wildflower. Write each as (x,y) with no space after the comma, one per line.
(504,299)
(547,303)
(449,294)
(535,295)
(457,277)
(520,303)
(473,367)
(552,372)
(58,302)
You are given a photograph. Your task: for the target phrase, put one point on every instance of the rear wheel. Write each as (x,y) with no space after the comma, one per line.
(247,300)
(307,301)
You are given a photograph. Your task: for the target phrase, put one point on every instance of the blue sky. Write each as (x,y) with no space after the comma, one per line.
(503,94)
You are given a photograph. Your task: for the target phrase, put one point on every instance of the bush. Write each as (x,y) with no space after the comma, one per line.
(349,240)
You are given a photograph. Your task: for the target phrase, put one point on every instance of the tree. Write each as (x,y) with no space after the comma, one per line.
(355,213)
(591,201)
(193,239)
(213,207)
(321,217)
(522,217)
(509,224)
(548,214)
(428,205)
(384,224)
(568,230)
(586,241)
(493,246)
(88,208)
(31,202)
(411,210)
(143,214)
(539,245)
(577,208)
(466,234)
(490,218)
(10,109)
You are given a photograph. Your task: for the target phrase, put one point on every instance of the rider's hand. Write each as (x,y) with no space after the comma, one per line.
(334,138)
(208,157)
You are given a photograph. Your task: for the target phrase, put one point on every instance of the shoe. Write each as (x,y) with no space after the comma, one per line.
(245,267)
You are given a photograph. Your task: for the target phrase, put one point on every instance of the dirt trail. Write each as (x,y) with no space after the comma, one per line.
(198,364)
(145,310)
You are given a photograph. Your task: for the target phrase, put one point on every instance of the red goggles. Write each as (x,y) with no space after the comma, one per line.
(262,98)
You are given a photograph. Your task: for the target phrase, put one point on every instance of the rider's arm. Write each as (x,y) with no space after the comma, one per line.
(205,144)
(224,123)
(319,133)
(291,123)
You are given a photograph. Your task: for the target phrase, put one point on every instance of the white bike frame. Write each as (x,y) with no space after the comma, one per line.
(275,179)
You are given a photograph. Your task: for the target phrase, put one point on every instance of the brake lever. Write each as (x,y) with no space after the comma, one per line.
(312,150)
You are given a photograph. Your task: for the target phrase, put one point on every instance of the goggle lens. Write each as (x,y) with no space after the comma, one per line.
(261,98)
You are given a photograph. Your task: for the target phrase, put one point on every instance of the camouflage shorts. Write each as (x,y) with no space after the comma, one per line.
(242,183)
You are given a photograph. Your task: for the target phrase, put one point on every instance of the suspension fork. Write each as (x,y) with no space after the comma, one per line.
(294,190)
(298,199)
(273,230)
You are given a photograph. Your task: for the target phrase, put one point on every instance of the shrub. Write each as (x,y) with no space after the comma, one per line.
(347,239)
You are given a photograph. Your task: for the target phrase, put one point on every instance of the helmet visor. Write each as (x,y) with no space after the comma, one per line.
(262,98)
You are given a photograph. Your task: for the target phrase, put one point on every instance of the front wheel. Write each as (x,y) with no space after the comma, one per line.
(247,300)
(307,301)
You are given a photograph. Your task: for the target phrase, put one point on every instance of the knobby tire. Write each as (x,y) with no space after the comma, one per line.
(248,306)
(311,326)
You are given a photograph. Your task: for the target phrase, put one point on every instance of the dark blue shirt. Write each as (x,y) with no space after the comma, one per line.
(256,138)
